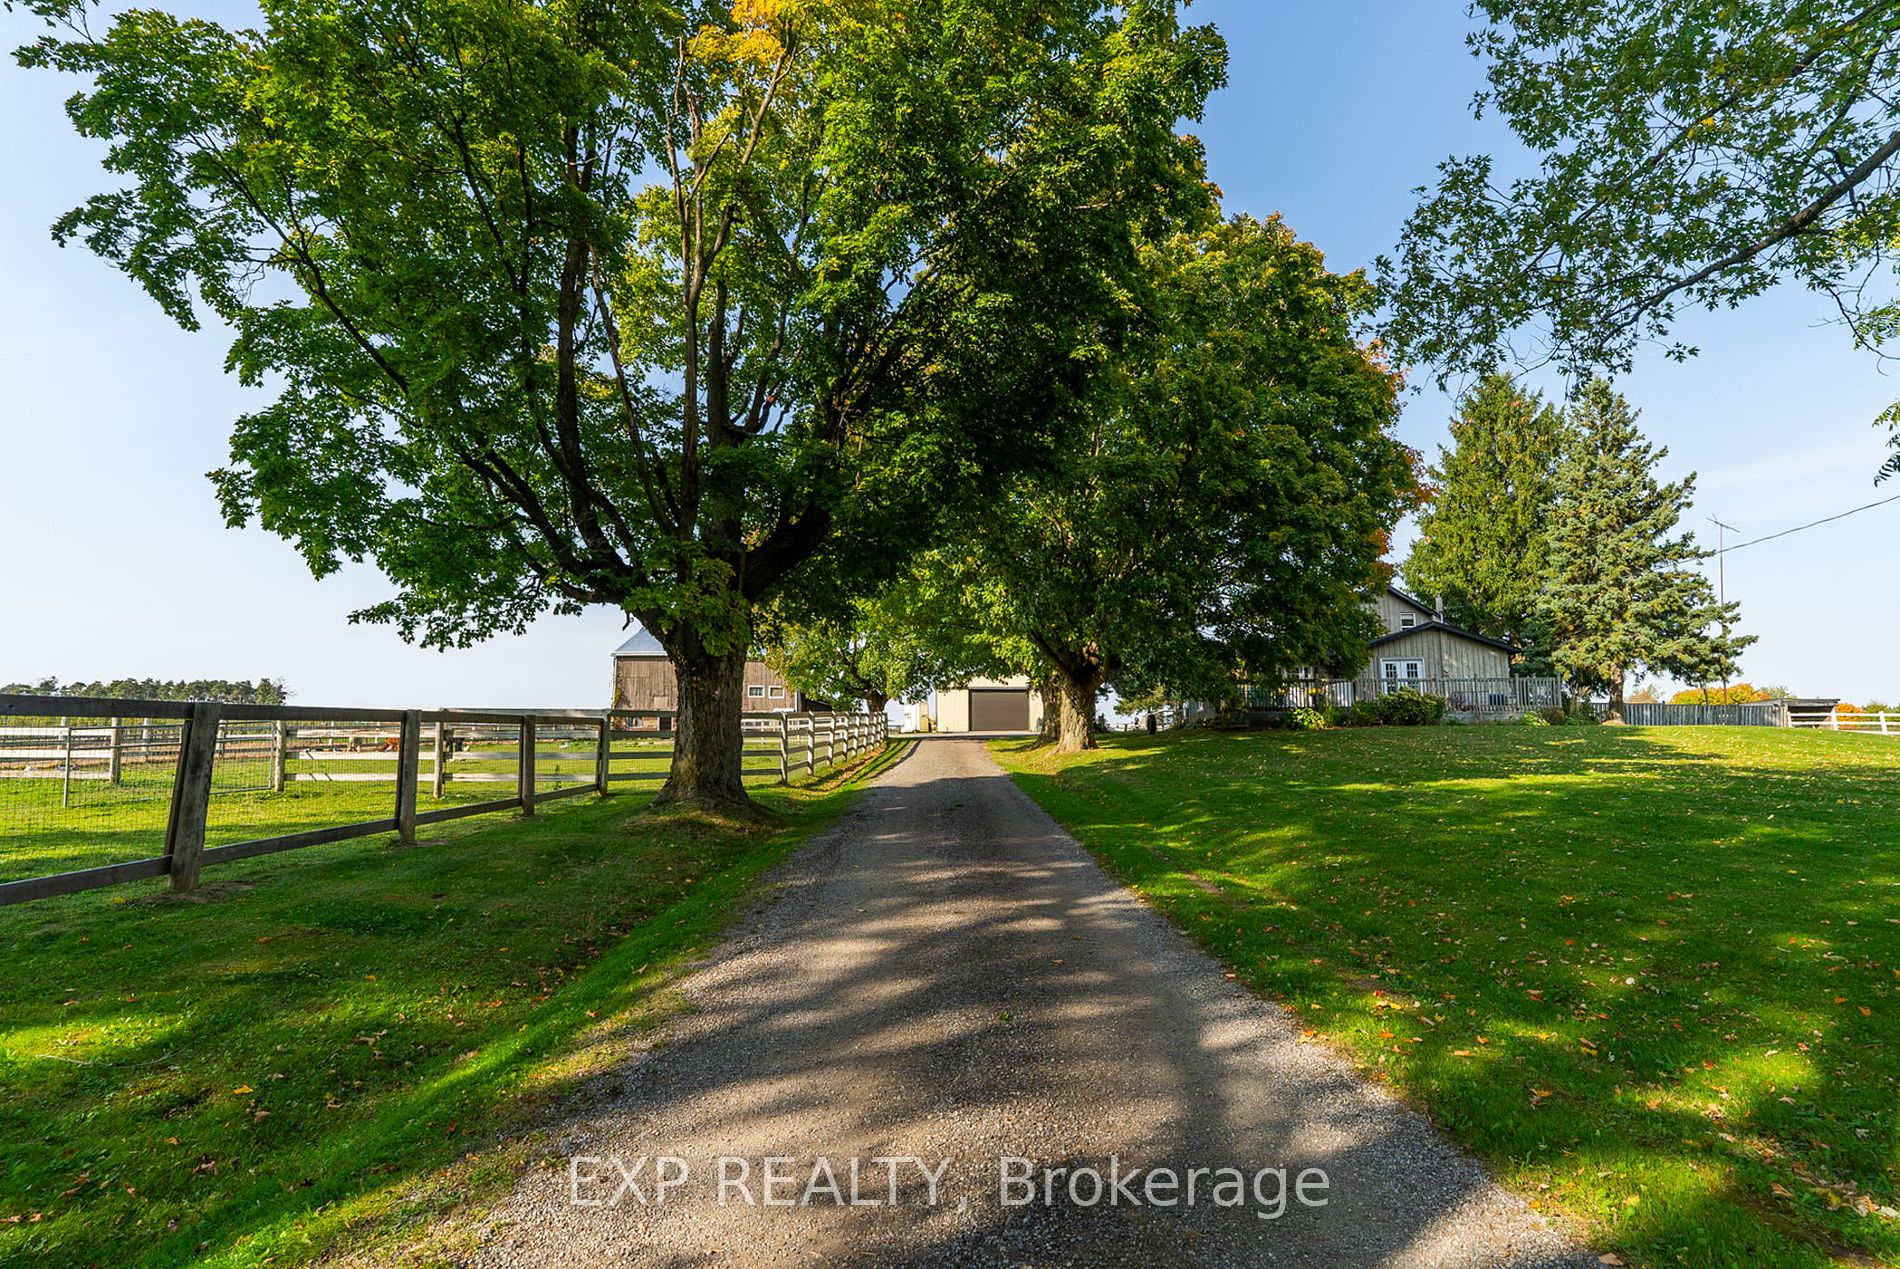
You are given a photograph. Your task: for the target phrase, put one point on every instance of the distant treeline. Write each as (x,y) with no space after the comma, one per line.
(262,692)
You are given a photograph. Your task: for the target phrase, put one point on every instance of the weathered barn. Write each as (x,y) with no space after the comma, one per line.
(643,679)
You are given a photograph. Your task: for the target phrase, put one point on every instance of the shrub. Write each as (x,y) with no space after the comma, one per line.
(1533,718)
(1304,719)
(1405,707)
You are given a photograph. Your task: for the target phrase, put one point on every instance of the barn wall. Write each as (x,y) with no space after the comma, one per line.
(759,674)
(648,683)
(644,683)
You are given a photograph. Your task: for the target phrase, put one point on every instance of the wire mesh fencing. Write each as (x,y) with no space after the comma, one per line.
(83,791)
(478,761)
(91,798)
(274,778)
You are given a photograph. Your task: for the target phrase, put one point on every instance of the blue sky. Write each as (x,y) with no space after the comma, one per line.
(116,562)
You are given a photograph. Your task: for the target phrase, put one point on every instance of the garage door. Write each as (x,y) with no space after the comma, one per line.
(999,709)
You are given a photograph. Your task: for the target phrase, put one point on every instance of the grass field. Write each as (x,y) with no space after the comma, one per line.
(47,826)
(331,1047)
(1651,975)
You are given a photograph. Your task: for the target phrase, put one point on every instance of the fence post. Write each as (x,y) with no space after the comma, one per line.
(408,774)
(279,754)
(113,753)
(444,742)
(784,749)
(603,753)
(66,771)
(524,768)
(191,796)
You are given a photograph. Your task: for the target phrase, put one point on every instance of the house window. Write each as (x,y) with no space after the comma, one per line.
(755,689)
(1407,620)
(776,692)
(1401,673)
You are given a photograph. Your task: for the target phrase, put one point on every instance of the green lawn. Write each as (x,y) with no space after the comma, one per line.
(49,826)
(1651,975)
(331,1046)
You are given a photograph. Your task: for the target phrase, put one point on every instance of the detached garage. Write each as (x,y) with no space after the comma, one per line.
(990,705)
(999,709)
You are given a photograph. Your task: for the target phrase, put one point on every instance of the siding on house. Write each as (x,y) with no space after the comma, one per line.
(1445,654)
(1392,605)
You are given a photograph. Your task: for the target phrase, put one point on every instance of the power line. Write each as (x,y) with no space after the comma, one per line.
(1811,524)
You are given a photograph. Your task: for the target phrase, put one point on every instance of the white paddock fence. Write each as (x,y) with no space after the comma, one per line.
(1846,720)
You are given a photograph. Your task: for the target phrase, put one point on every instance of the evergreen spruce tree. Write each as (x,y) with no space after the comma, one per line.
(1481,542)
(1621,595)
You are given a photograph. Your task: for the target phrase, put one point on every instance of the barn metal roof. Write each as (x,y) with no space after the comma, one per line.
(641,644)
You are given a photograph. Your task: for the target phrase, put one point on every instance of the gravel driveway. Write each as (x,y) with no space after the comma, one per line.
(948,1002)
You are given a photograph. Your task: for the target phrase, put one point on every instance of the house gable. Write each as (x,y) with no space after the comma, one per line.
(1416,632)
(1399,611)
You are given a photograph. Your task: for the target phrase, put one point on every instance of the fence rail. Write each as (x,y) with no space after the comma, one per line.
(1846,720)
(1493,696)
(179,779)
(1692,714)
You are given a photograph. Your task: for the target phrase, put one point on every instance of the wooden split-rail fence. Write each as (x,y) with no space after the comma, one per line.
(210,749)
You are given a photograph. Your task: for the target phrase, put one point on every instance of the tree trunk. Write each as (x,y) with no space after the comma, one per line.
(1051,707)
(1616,699)
(1076,709)
(876,701)
(707,744)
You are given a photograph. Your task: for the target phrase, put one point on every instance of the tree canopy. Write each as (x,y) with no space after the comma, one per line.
(1690,155)
(923,631)
(238,692)
(1226,513)
(638,305)
(1622,596)
(1481,542)
(1732,694)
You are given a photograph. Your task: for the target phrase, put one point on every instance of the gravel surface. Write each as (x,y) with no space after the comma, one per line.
(947,978)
